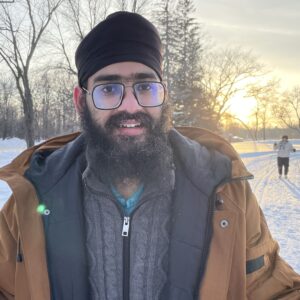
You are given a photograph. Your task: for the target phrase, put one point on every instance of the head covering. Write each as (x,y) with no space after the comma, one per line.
(122,36)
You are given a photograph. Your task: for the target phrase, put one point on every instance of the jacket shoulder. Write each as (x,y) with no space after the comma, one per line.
(220,144)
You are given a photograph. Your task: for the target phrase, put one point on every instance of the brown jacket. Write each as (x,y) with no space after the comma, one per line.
(241,239)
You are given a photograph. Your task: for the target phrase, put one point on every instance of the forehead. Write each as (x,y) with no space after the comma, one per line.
(124,71)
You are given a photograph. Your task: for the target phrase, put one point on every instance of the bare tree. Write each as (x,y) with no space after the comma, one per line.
(287,109)
(6,94)
(231,119)
(225,73)
(71,23)
(54,111)
(137,6)
(265,95)
(23,25)
(83,15)
(121,4)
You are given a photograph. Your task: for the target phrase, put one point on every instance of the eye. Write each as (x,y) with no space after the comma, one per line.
(109,89)
(144,87)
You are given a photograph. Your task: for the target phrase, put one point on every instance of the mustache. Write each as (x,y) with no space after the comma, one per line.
(144,119)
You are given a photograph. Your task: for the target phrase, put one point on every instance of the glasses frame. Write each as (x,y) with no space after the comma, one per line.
(123,93)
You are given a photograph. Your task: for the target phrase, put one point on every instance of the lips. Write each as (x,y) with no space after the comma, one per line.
(130,124)
(124,124)
(129,128)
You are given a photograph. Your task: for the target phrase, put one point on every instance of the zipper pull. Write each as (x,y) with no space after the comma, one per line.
(126,223)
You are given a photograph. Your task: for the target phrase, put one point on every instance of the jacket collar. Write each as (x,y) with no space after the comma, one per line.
(213,141)
(205,168)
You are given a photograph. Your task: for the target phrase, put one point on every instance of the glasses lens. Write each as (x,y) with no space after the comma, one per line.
(149,94)
(107,96)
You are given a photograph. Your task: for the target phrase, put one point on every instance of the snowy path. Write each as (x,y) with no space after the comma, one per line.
(279,198)
(280,202)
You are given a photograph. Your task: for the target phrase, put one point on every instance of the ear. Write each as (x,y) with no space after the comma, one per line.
(78,100)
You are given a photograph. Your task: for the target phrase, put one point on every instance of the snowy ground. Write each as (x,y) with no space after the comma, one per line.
(279,198)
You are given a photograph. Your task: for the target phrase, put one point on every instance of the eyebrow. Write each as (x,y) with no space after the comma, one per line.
(134,76)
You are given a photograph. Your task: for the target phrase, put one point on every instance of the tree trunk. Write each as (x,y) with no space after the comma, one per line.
(28,115)
(5,129)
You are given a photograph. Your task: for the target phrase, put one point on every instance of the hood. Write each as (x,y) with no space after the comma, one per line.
(47,167)
(22,162)
(205,168)
(215,142)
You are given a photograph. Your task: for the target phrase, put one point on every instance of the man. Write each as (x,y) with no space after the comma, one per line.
(284,148)
(133,208)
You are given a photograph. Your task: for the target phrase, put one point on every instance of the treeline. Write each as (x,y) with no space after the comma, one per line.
(38,39)
(53,107)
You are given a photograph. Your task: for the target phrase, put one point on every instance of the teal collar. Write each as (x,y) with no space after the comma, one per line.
(129,204)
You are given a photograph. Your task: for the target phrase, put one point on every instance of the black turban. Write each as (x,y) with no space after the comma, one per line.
(122,36)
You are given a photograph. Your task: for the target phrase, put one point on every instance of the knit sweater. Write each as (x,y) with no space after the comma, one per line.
(146,264)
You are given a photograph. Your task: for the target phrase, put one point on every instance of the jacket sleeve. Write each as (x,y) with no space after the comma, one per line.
(292,149)
(268,275)
(8,250)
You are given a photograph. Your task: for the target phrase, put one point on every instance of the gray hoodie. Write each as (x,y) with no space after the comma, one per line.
(283,148)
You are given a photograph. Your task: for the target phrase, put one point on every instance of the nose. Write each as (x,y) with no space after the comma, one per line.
(130,103)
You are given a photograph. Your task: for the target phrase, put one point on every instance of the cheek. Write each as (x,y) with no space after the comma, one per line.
(100,117)
(155,112)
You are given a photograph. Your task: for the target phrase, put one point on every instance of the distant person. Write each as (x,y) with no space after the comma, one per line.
(132,208)
(284,148)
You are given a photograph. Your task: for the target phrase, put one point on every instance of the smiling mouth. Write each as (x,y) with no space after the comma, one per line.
(130,125)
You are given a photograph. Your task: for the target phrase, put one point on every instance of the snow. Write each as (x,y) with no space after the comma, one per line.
(9,149)
(278,198)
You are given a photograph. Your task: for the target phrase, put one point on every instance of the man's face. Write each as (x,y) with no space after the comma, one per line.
(129,141)
(129,120)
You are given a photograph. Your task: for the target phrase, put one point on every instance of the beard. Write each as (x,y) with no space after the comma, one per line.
(115,158)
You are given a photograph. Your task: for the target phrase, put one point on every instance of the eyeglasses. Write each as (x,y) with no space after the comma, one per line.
(110,95)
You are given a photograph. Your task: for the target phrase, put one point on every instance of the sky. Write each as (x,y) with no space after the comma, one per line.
(270,28)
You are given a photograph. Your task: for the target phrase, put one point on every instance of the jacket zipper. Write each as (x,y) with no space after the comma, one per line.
(126,249)
(126,257)
(126,245)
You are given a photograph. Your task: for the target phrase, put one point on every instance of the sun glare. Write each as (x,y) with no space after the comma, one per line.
(242,107)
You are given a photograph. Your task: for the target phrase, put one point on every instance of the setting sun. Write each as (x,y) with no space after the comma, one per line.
(242,107)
